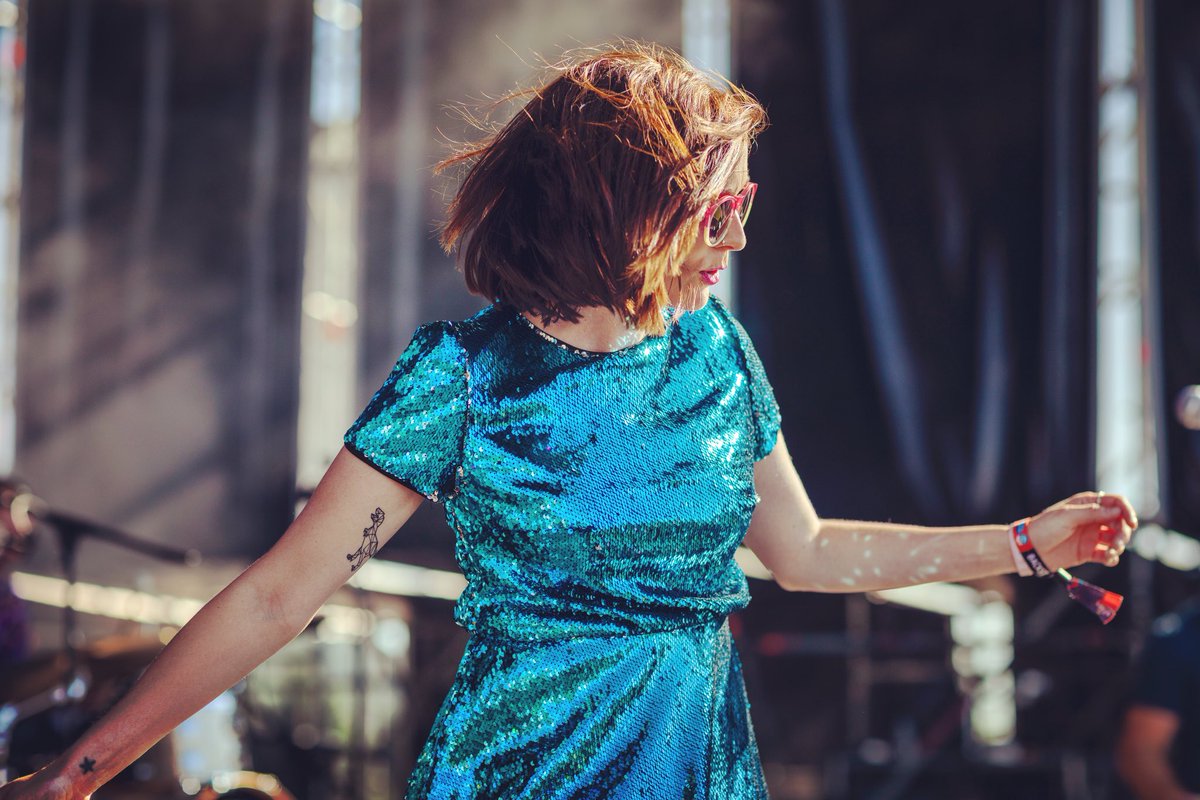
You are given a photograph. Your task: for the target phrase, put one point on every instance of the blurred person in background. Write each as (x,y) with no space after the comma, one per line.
(16,526)
(602,438)
(1158,753)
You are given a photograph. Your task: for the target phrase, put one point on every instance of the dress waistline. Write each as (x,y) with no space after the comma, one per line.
(501,635)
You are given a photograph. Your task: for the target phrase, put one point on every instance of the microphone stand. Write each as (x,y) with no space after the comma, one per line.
(71,530)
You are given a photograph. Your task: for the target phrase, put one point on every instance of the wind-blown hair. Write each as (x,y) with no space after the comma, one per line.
(591,194)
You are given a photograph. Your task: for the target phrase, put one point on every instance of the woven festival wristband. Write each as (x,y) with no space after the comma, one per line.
(1018,560)
(1020,537)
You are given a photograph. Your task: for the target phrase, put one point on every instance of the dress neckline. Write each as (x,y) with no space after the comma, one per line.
(570,348)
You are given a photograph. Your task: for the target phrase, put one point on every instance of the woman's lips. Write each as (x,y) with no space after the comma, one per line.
(710,276)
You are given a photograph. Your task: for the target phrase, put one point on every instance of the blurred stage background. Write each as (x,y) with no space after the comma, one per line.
(973,274)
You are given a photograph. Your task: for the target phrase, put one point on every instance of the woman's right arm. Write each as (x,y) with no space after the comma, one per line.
(259,612)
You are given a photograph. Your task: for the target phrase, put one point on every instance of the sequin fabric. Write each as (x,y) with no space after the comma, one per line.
(597,500)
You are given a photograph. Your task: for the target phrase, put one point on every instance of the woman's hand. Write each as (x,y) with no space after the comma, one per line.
(40,786)
(1089,526)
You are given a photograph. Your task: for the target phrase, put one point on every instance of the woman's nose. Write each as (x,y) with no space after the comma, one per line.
(735,237)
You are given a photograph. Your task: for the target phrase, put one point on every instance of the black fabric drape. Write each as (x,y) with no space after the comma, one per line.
(919,272)
(1176,51)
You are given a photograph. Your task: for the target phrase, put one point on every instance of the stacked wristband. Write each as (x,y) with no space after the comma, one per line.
(1024,545)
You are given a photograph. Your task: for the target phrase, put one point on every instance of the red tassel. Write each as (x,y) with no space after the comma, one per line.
(1100,601)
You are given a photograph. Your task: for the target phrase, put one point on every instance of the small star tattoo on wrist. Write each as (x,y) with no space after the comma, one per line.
(88,764)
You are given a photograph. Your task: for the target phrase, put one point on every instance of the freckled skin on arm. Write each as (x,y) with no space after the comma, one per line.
(807,553)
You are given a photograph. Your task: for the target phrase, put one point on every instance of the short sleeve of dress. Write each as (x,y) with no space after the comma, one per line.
(764,410)
(413,428)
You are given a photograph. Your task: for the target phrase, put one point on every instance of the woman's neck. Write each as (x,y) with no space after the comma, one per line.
(600,330)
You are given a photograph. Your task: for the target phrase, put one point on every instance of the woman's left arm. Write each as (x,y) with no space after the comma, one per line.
(807,553)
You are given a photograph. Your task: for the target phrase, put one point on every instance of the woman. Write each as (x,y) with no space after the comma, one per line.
(602,438)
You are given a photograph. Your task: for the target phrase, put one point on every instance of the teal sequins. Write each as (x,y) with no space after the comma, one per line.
(597,501)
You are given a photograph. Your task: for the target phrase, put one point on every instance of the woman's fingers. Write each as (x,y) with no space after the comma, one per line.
(1120,501)
(1101,498)
(1110,543)
(1078,516)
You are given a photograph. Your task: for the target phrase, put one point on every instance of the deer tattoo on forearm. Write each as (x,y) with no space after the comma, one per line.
(370,542)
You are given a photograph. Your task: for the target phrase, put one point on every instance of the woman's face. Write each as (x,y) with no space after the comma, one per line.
(703,263)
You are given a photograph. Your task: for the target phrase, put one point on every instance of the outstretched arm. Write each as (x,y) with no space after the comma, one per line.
(354,509)
(807,553)
(1143,754)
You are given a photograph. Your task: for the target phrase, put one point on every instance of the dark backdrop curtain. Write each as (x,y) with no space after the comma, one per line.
(920,282)
(919,274)
(1176,51)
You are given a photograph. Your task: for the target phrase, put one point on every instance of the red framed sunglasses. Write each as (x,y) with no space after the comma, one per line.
(719,215)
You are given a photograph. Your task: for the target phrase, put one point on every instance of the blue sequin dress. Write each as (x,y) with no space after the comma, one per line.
(597,500)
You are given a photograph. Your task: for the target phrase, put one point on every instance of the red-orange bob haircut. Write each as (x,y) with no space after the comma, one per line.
(591,194)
